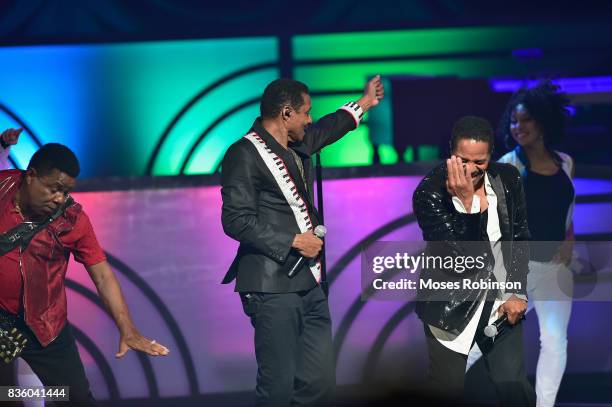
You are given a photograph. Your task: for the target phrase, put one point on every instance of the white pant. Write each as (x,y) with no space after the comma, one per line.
(549,288)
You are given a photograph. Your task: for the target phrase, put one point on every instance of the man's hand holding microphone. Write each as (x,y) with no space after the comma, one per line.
(309,245)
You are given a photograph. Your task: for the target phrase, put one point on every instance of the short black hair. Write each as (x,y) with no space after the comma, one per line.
(279,93)
(55,156)
(546,105)
(472,128)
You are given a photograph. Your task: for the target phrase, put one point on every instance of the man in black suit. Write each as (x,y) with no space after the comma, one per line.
(473,207)
(267,191)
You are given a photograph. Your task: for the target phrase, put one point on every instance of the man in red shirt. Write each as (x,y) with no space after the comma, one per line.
(32,292)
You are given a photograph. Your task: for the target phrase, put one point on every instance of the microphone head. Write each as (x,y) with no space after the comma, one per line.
(490,331)
(320,231)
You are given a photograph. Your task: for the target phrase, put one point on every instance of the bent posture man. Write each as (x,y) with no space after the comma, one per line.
(468,199)
(33,267)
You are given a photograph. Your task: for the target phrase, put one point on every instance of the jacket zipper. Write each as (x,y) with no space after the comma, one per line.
(23,279)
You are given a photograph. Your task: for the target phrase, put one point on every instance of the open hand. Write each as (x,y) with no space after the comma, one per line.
(459,181)
(136,341)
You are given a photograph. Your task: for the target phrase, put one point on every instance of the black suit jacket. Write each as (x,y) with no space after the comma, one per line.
(256,214)
(440,222)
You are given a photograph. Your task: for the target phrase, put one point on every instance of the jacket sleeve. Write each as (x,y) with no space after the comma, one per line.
(240,178)
(519,266)
(329,129)
(441,223)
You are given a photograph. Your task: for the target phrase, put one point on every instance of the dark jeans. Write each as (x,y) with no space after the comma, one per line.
(59,364)
(293,347)
(503,361)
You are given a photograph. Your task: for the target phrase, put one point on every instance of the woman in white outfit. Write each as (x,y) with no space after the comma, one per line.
(534,122)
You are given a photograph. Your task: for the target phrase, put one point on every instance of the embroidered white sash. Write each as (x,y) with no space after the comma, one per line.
(287,185)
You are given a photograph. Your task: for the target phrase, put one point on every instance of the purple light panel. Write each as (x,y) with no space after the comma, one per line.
(596,84)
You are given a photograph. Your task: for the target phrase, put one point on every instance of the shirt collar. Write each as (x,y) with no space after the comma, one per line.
(488,186)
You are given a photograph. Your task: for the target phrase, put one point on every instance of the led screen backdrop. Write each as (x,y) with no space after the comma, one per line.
(173,107)
(336,65)
(132,109)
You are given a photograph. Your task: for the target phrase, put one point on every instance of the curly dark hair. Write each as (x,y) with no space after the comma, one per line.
(546,105)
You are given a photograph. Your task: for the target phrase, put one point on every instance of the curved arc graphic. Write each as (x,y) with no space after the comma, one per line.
(356,249)
(101,362)
(166,315)
(210,128)
(337,269)
(147,367)
(382,337)
(26,128)
(194,100)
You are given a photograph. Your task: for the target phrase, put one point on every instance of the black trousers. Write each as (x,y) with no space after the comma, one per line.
(503,360)
(59,364)
(293,347)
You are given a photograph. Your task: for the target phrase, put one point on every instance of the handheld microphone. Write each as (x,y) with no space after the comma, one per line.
(492,330)
(320,231)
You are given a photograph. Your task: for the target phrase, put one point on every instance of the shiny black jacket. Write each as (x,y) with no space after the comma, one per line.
(440,221)
(256,214)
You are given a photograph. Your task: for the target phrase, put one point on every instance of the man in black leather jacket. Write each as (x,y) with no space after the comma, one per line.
(268,207)
(473,206)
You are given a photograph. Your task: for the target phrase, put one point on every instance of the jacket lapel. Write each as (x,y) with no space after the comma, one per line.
(288,159)
(502,204)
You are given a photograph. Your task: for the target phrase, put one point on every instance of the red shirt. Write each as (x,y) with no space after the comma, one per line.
(81,241)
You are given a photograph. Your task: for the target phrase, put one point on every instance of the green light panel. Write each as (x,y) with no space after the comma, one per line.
(343,62)
(173,107)
(351,75)
(430,42)
(352,150)
(157,80)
